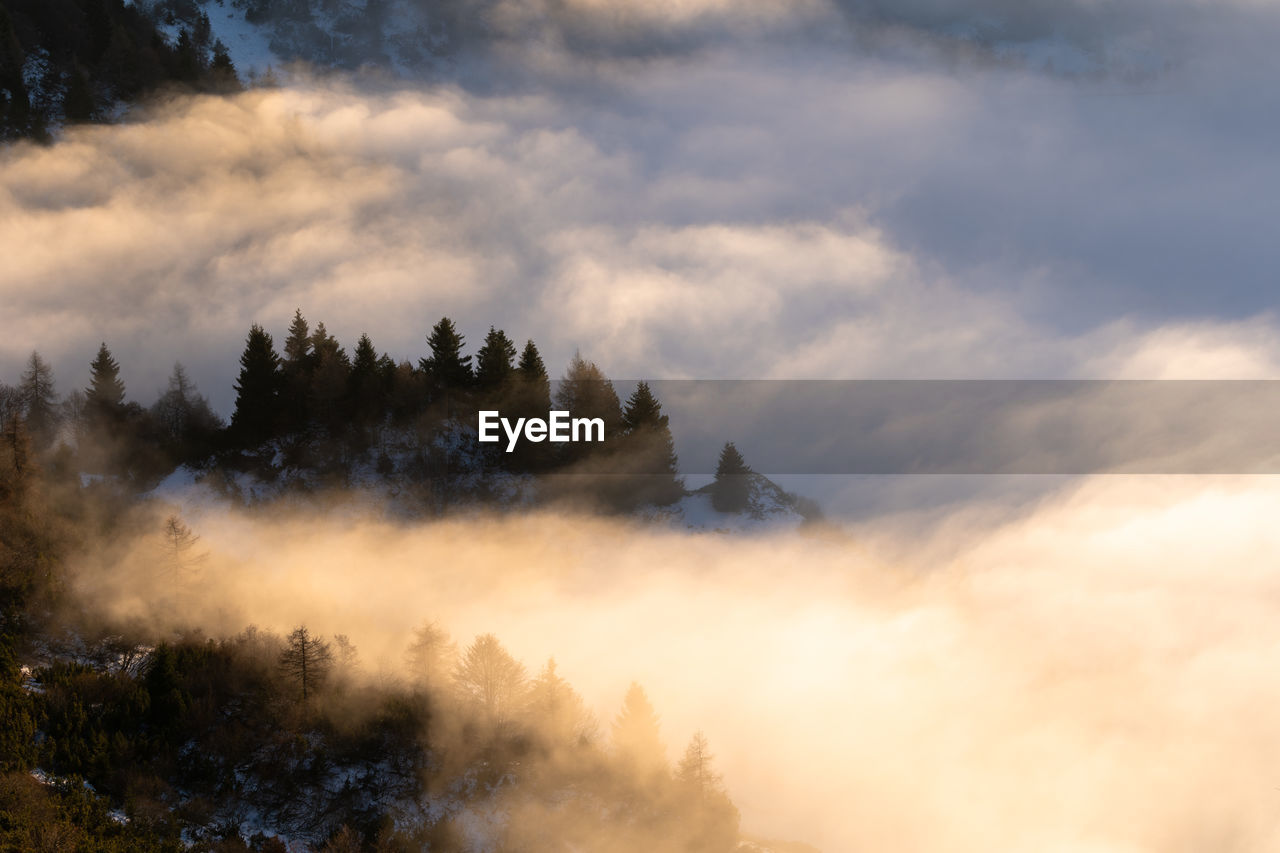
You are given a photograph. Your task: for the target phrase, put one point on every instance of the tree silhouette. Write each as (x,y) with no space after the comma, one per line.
(491,678)
(494,362)
(557,710)
(637,741)
(431,655)
(447,369)
(39,402)
(104,398)
(306,660)
(649,450)
(731,491)
(180,542)
(257,389)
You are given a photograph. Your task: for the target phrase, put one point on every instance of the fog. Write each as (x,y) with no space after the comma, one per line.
(1093,670)
(764,190)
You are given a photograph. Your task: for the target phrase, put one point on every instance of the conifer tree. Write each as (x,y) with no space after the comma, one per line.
(731,491)
(557,710)
(491,678)
(39,401)
(711,817)
(104,398)
(649,450)
(306,660)
(432,654)
(495,360)
(257,389)
(365,383)
(184,417)
(329,379)
(532,374)
(585,392)
(637,741)
(297,347)
(447,369)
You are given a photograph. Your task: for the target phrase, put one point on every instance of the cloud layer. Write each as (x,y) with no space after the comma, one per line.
(760,207)
(1096,673)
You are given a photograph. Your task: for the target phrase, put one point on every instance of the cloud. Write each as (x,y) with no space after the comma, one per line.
(765,207)
(1090,672)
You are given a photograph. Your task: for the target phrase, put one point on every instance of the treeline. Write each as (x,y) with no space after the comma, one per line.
(262,724)
(77,59)
(310,406)
(190,738)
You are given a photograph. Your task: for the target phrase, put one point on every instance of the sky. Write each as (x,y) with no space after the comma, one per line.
(693,190)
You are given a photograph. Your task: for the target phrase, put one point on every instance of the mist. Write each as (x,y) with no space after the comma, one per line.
(1090,671)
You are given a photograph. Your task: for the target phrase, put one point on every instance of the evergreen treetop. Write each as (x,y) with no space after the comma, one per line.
(494,361)
(105,393)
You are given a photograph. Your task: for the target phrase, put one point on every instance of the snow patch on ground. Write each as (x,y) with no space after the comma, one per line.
(247,44)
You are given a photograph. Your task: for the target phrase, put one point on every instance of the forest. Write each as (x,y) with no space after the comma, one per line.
(121,739)
(78,60)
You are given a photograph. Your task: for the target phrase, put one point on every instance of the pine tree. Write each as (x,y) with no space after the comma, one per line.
(104,398)
(530,398)
(636,737)
(731,491)
(329,379)
(222,71)
(447,369)
(306,660)
(494,361)
(257,389)
(649,451)
(296,368)
(39,401)
(365,384)
(297,347)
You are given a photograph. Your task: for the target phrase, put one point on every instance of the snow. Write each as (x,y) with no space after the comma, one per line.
(247,44)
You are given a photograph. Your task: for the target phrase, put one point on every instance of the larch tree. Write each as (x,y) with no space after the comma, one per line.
(431,655)
(39,401)
(491,678)
(306,660)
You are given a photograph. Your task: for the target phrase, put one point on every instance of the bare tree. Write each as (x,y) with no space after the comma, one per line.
(695,769)
(179,547)
(491,677)
(432,654)
(307,660)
